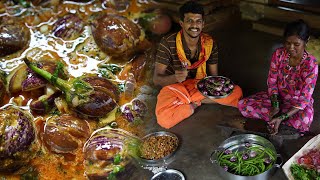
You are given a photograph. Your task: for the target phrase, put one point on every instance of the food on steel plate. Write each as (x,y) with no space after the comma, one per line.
(215,86)
(158,146)
(250,161)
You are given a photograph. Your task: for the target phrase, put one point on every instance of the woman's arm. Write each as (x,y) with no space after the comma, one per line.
(273,84)
(275,122)
(273,74)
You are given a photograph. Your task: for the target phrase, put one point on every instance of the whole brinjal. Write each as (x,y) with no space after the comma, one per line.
(116,35)
(138,67)
(24,79)
(14,36)
(83,97)
(108,151)
(18,142)
(65,133)
(68,27)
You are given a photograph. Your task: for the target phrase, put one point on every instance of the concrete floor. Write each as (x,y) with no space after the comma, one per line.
(244,56)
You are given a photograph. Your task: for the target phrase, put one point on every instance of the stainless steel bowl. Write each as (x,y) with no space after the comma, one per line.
(169,174)
(215,97)
(163,161)
(236,143)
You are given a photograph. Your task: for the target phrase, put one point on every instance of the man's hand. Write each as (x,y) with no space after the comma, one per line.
(274,125)
(181,75)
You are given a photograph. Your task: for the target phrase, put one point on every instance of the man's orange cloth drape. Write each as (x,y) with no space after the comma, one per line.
(174,101)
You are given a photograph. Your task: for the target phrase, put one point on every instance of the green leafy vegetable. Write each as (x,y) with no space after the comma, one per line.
(111,67)
(24,3)
(117,159)
(300,172)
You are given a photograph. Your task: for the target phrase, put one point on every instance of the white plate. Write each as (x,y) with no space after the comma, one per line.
(313,143)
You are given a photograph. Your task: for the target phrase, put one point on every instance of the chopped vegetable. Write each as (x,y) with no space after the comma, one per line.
(300,172)
(307,166)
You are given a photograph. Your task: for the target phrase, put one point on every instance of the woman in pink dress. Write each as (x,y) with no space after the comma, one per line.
(291,81)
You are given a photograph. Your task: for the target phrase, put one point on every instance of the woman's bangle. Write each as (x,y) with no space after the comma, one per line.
(275,104)
(284,117)
(274,97)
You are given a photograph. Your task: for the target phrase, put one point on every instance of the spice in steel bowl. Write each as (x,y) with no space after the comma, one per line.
(157,147)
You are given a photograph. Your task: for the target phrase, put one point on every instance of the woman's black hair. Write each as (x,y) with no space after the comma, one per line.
(299,28)
(191,7)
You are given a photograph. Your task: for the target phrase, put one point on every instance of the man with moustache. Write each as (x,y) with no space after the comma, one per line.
(182,59)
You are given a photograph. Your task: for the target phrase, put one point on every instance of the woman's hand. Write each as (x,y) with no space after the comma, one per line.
(274,125)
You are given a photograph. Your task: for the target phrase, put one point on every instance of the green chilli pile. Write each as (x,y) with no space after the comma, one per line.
(250,161)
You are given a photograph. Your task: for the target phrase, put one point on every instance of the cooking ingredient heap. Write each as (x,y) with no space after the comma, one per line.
(157,147)
(215,86)
(307,166)
(251,161)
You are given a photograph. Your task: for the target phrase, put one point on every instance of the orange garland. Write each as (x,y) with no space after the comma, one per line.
(206,48)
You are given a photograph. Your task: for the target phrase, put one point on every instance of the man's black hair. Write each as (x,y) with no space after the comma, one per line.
(191,7)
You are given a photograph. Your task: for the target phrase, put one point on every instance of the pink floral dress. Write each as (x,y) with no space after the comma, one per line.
(294,87)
